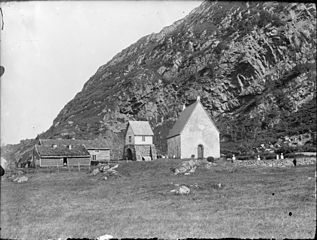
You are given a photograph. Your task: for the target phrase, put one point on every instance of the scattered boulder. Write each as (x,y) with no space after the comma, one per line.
(181,190)
(209,165)
(21,179)
(186,167)
(106,170)
(114,167)
(105,237)
(20,172)
(193,169)
(11,177)
(95,172)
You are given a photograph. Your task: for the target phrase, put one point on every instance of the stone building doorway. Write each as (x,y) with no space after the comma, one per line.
(129,154)
(200,151)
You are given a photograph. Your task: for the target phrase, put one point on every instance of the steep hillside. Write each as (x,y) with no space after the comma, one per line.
(252,64)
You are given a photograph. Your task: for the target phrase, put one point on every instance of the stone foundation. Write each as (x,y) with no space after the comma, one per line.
(140,152)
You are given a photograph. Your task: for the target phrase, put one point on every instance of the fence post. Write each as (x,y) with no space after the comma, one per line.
(78,166)
(57,167)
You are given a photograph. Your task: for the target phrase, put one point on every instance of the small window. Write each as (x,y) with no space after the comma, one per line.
(93,157)
(130,139)
(143,138)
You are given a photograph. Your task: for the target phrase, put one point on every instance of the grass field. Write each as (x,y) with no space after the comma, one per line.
(254,203)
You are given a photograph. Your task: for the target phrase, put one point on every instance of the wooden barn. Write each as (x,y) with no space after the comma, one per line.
(57,155)
(98,150)
(194,133)
(139,142)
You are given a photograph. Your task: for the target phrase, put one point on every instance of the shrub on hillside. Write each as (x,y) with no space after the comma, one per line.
(210,159)
(307,148)
(266,156)
(245,157)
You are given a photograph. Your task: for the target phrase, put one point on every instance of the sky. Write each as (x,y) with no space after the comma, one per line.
(50,49)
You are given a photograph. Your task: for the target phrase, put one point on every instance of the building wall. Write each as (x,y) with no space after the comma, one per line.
(36,158)
(101,155)
(139,141)
(174,147)
(200,130)
(50,162)
(76,161)
(129,133)
(53,162)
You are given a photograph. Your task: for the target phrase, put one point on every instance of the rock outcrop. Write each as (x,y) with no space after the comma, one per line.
(253,65)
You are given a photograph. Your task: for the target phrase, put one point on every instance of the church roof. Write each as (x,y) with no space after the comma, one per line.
(183,119)
(141,128)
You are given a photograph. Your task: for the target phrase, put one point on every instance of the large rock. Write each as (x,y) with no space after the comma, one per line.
(181,190)
(95,172)
(187,167)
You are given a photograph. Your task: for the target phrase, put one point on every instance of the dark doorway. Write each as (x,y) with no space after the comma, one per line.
(129,154)
(200,151)
(65,161)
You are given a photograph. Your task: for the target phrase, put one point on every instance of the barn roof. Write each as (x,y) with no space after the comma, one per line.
(183,119)
(141,128)
(62,151)
(89,144)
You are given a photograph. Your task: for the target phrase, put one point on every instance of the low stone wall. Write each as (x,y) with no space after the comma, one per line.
(276,163)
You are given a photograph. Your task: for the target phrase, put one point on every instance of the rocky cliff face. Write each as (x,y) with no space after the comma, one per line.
(252,64)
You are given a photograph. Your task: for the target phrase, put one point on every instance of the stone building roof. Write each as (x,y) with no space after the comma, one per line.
(183,119)
(141,128)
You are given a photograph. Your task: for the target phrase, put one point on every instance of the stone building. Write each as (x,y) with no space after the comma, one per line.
(139,142)
(194,133)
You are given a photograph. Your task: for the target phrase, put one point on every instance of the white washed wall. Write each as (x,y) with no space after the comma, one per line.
(138,140)
(200,130)
(129,133)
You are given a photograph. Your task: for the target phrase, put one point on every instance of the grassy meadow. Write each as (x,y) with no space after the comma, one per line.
(253,203)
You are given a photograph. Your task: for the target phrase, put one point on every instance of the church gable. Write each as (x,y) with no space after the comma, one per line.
(199,120)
